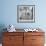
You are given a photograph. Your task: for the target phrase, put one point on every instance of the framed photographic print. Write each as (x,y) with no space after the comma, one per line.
(25,13)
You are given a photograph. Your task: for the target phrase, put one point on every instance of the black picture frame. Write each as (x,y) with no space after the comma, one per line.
(25,13)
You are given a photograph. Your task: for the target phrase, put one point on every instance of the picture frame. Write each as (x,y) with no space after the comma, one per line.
(25,13)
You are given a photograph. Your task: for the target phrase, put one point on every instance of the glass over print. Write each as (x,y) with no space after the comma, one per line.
(26,13)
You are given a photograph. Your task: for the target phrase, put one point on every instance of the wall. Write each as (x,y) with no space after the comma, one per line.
(8,13)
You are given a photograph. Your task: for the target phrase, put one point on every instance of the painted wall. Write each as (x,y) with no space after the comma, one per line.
(9,13)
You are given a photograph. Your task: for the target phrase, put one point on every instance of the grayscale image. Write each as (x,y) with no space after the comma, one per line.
(25,13)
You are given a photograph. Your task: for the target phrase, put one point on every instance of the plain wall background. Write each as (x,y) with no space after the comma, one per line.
(8,13)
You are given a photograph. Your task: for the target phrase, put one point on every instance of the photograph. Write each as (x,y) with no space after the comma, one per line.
(25,13)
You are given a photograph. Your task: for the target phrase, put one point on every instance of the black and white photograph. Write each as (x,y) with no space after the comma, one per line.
(26,13)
